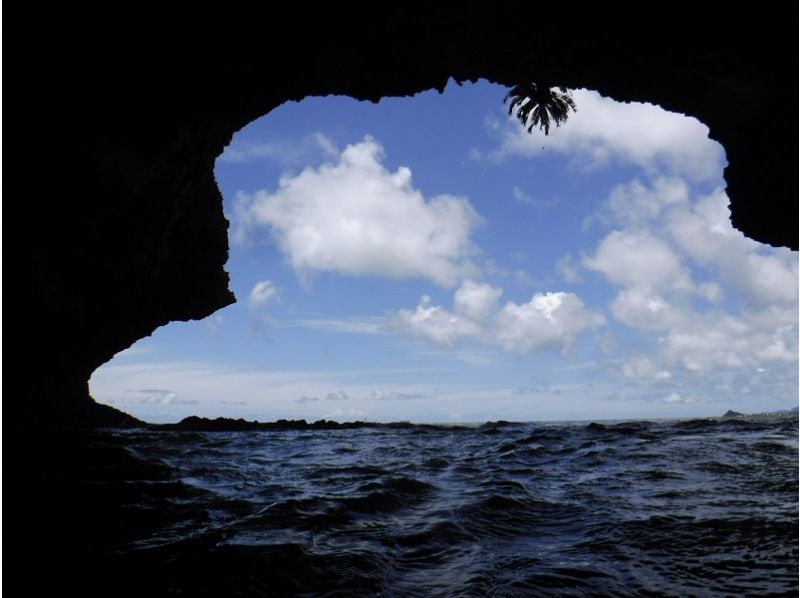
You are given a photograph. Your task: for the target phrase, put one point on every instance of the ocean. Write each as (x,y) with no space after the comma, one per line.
(636,508)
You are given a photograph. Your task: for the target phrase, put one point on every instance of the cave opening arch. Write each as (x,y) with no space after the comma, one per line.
(137,128)
(322,165)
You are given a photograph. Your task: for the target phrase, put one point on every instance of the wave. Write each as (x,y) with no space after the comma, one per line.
(505,509)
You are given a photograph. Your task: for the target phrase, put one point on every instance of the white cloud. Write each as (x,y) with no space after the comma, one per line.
(528,199)
(548,320)
(643,309)
(261,293)
(750,315)
(711,292)
(604,132)
(356,217)
(763,275)
(355,325)
(437,324)
(642,367)
(676,398)
(769,279)
(475,300)
(284,152)
(633,204)
(638,258)
(703,342)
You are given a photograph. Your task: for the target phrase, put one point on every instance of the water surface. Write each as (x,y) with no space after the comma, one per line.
(683,508)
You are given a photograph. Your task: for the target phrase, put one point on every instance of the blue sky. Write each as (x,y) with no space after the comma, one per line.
(427,259)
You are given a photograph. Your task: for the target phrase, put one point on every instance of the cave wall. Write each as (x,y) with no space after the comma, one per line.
(113,121)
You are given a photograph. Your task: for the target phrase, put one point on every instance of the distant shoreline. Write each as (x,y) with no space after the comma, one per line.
(226,424)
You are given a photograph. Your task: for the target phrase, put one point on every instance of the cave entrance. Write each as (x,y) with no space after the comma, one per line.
(426,259)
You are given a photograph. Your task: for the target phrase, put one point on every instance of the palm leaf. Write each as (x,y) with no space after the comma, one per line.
(540,105)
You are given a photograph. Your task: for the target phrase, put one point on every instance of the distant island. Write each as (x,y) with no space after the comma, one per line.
(780,413)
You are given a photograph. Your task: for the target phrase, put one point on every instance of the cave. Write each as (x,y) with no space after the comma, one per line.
(114,119)
(115,122)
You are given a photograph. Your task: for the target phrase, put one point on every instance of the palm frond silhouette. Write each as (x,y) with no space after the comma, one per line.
(540,105)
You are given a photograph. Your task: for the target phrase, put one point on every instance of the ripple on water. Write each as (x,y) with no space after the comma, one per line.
(700,507)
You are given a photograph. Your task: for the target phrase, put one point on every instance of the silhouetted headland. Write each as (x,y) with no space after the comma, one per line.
(778,413)
(194,423)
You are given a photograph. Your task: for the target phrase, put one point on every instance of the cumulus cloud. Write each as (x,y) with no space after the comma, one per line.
(711,292)
(763,275)
(437,324)
(631,258)
(747,318)
(356,217)
(634,204)
(548,320)
(604,131)
(644,310)
(262,293)
(662,232)
(475,300)
(704,342)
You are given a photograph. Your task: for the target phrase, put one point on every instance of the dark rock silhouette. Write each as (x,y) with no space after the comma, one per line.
(778,413)
(113,120)
(595,427)
(731,413)
(227,424)
(115,123)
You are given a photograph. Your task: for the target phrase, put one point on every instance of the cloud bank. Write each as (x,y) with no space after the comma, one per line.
(712,299)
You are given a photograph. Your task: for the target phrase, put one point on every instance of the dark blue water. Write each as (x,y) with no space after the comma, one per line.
(702,507)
